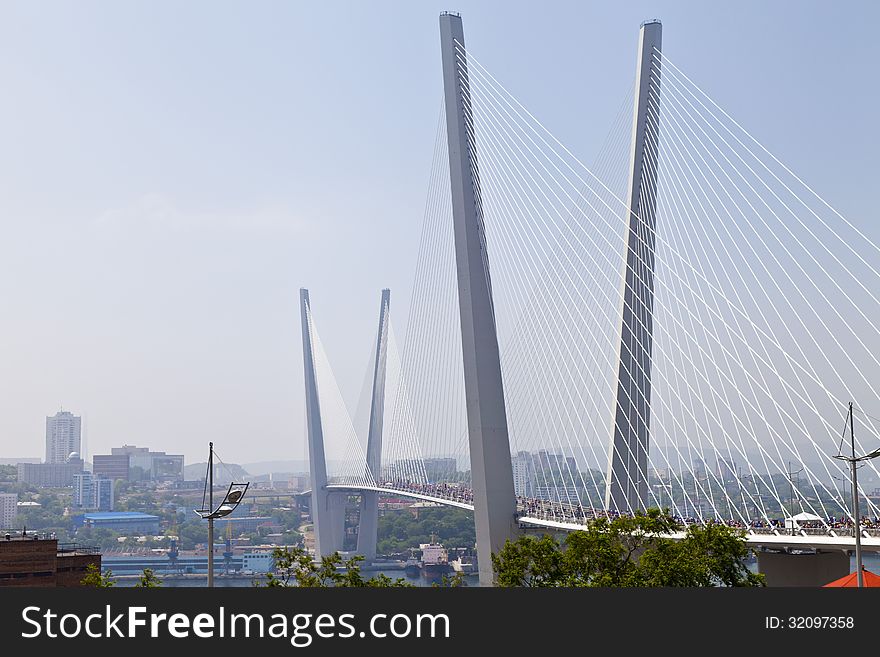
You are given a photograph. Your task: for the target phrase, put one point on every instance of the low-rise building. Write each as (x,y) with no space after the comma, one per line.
(41,562)
(111,466)
(257,562)
(129,522)
(145,465)
(49,475)
(245,524)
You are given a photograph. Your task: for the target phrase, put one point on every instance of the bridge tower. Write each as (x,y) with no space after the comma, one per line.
(491,470)
(369,511)
(626,483)
(328,509)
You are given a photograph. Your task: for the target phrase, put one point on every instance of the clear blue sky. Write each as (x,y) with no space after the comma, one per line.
(171,173)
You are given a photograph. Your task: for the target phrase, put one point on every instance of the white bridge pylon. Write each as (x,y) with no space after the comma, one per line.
(679,325)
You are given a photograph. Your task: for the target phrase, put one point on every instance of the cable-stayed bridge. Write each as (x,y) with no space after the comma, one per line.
(681,324)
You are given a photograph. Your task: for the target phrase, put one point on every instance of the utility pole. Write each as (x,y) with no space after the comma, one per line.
(855,498)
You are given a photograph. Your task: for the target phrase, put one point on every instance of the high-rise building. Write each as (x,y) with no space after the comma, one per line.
(726,469)
(63,436)
(555,463)
(8,509)
(92,492)
(562,494)
(523,474)
(440,469)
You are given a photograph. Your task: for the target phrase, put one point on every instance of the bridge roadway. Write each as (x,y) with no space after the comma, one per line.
(818,539)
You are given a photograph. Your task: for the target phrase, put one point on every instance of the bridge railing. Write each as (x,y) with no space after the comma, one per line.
(848,531)
(563,512)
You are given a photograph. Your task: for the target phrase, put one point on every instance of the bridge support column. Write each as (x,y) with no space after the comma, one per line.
(369,511)
(491,470)
(328,509)
(627,481)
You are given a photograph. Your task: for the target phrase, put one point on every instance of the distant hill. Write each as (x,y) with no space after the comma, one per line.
(223,472)
(16,461)
(265,467)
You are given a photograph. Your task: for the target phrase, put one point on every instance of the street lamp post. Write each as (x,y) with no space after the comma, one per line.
(791,493)
(660,497)
(853,461)
(845,482)
(665,489)
(231,500)
(742,493)
(697,499)
(210,517)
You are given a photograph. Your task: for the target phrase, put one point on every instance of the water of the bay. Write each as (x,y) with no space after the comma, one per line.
(223,581)
(870,560)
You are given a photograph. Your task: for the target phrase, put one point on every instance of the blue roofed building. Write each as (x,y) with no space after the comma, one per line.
(129,522)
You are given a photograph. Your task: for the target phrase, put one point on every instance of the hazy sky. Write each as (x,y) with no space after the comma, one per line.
(171,173)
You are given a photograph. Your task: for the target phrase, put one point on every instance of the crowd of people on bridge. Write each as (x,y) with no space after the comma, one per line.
(576,513)
(451,492)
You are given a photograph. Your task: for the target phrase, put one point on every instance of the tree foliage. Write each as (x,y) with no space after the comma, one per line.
(446,581)
(96,579)
(401,530)
(629,552)
(8,474)
(148,580)
(296,568)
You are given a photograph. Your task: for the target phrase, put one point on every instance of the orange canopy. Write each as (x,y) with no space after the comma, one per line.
(852,580)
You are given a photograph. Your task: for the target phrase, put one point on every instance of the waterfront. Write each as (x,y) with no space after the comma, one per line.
(871,562)
(239,581)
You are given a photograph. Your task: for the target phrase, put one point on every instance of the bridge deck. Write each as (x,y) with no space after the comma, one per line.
(753,539)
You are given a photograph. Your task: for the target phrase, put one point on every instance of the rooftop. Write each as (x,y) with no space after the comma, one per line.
(27,537)
(119,515)
(72,549)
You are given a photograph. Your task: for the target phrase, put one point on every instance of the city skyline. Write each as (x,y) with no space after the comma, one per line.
(182,299)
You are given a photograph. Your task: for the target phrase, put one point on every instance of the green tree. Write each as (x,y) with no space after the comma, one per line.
(296,568)
(529,561)
(287,518)
(8,474)
(148,580)
(96,579)
(401,530)
(629,552)
(450,582)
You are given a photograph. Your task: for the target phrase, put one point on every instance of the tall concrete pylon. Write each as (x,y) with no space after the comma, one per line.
(491,470)
(328,509)
(627,481)
(369,511)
